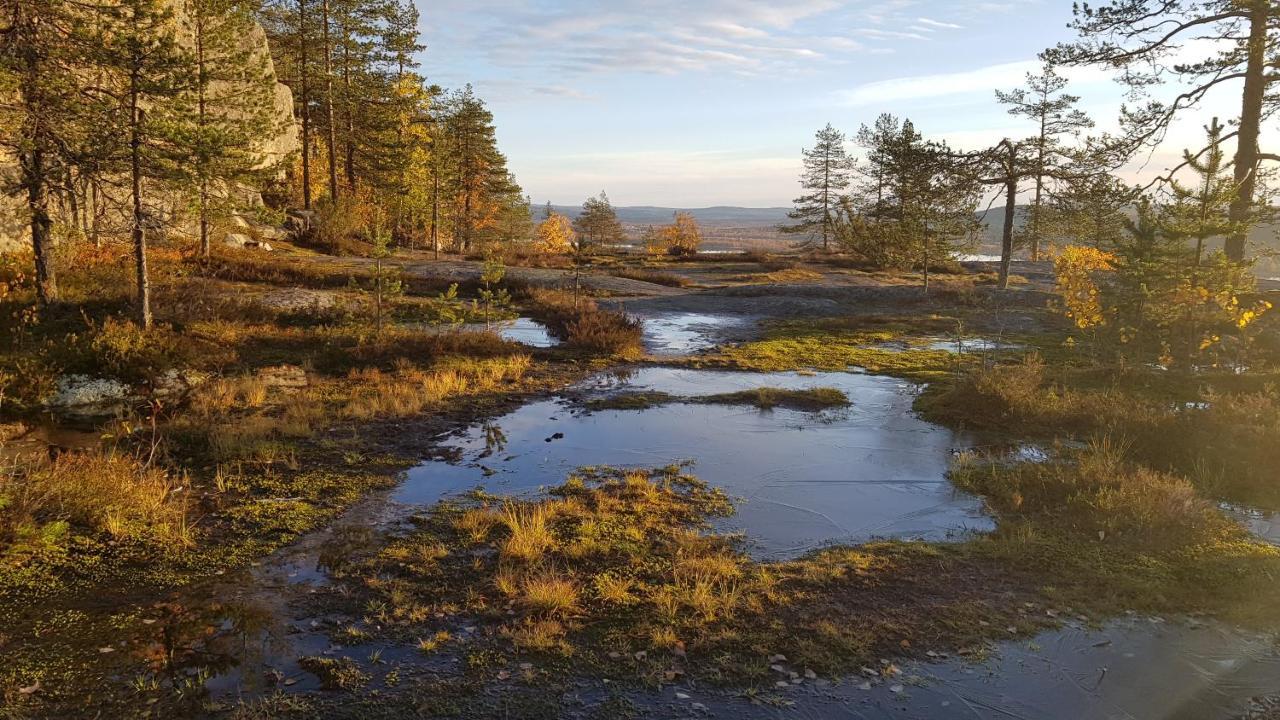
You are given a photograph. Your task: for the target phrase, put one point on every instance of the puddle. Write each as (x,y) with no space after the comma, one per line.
(1133,668)
(684,333)
(801,480)
(527,332)
(1264,525)
(962,346)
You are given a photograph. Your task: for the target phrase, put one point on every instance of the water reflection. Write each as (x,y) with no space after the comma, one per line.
(875,470)
(684,333)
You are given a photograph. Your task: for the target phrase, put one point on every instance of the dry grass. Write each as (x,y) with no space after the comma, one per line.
(95,493)
(657,277)
(537,635)
(408,391)
(529,535)
(549,593)
(584,326)
(1096,491)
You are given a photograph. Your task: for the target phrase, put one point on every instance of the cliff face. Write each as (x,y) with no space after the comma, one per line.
(14,233)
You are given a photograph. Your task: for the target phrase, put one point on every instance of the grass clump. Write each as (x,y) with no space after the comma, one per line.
(765,398)
(626,568)
(1213,430)
(583,325)
(90,493)
(529,536)
(335,673)
(1108,535)
(656,277)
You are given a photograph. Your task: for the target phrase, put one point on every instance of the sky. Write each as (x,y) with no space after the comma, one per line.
(694,103)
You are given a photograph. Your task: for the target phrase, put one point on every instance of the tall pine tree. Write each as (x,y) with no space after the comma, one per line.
(826,176)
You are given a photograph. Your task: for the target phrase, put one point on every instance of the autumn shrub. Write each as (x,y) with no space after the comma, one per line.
(91,493)
(583,325)
(119,348)
(1022,398)
(1228,443)
(339,227)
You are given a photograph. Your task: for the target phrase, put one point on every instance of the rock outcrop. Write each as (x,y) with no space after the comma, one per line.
(14,232)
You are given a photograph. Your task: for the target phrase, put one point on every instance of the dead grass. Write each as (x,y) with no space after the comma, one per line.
(657,277)
(528,535)
(96,494)
(584,325)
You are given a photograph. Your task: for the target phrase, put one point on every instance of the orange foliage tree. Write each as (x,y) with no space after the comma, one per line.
(682,237)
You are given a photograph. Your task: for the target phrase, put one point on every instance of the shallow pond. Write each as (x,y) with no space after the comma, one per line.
(527,332)
(684,333)
(1133,668)
(802,480)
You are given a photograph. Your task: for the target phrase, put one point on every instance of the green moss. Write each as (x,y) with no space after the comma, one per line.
(832,345)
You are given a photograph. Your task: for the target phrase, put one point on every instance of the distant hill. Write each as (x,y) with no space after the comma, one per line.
(645,215)
(727,227)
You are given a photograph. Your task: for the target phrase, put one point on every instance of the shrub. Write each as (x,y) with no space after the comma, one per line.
(585,326)
(1096,492)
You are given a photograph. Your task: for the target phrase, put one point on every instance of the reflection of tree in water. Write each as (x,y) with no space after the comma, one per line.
(495,440)
(193,644)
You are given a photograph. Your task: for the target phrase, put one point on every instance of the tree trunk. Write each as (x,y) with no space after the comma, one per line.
(350,140)
(35,178)
(331,139)
(33,168)
(1246,163)
(435,213)
(1006,238)
(305,101)
(202,81)
(143,308)
(926,258)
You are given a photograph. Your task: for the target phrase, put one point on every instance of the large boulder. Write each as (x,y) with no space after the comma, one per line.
(82,396)
(14,229)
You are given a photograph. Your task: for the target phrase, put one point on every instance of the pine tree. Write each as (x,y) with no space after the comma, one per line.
(1055,115)
(483,184)
(1237,41)
(40,114)
(934,198)
(598,224)
(827,169)
(234,99)
(154,77)
(1089,207)
(1202,211)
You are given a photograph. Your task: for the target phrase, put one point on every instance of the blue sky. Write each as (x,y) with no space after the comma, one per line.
(709,102)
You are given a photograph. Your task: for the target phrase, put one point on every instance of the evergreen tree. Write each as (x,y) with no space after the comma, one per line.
(826,176)
(153,76)
(1089,207)
(40,114)
(598,224)
(234,103)
(934,198)
(1055,115)
(482,184)
(1239,41)
(1200,212)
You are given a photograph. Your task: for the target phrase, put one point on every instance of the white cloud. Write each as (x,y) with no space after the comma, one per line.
(983,81)
(938,24)
(665,37)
